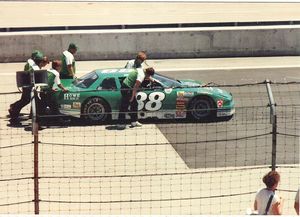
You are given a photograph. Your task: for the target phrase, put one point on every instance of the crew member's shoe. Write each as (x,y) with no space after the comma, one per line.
(12,114)
(121,127)
(136,124)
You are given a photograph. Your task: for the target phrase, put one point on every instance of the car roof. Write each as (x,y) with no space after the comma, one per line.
(113,72)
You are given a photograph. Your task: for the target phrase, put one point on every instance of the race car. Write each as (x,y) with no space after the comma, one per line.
(96,98)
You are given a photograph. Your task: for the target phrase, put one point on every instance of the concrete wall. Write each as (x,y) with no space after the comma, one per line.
(159,43)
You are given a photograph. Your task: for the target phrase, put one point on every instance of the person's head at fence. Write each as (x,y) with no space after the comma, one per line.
(267,202)
(271,180)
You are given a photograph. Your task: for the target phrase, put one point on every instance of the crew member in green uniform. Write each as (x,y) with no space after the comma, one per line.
(68,62)
(129,89)
(47,92)
(36,62)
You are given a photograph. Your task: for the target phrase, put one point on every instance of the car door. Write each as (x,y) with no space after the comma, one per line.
(109,91)
(156,101)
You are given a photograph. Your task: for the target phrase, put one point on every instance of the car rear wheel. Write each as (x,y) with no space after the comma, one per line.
(95,110)
(201,108)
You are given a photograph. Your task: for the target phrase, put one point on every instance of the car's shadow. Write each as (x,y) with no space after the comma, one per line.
(110,125)
(24,121)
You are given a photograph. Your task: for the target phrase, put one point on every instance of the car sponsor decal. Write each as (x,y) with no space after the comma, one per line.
(109,70)
(76,105)
(115,70)
(123,70)
(188,94)
(180,94)
(168,90)
(65,106)
(220,103)
(180,114)
(151,102)
(169,116)
(71,96)
(185,94)
(180,107)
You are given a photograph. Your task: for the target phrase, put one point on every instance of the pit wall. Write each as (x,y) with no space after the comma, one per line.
(159,43)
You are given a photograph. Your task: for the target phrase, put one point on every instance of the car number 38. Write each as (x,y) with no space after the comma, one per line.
(151,102)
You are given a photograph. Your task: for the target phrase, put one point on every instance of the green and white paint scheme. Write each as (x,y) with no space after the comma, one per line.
(96,97)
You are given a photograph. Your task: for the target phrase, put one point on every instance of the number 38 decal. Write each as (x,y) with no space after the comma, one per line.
(152,102)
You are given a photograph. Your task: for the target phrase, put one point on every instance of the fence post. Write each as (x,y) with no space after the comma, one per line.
(35,132)
(274,142)
(273,121)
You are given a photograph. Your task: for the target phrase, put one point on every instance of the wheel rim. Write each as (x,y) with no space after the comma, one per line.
(96,112)
(201,108)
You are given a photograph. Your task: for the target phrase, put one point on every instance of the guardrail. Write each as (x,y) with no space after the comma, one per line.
(147,26)
(159,43)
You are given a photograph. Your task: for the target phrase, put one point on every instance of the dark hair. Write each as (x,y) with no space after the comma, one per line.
(271,178)
(137,63)
(56,63)
(150,71)
(72,46)
(38,61)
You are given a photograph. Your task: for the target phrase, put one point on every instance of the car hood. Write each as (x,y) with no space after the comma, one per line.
(68,83)
(191,83)
(197,86)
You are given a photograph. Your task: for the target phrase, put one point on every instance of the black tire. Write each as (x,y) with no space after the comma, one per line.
(95,110)
(201,108)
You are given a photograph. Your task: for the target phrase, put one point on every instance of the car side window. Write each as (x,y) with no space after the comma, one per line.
(149,84)
(108,84)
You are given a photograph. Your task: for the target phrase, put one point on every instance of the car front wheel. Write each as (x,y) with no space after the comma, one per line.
(95,110)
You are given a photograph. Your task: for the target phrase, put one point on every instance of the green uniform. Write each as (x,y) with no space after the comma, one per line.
(31,66)
(27,67)
(51,78)
(67,59)
(47,95)
(130,80)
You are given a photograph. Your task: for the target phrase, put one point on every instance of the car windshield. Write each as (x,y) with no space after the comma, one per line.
(86,81)
(166,81)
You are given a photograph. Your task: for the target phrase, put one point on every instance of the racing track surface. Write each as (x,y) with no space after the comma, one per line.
(244,97)
(251,118)
(137,13)
(189,146)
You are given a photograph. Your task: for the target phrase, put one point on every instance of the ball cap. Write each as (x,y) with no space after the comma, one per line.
(37,55)
(73,46)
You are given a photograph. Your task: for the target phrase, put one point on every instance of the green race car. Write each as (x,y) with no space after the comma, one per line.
(96,97)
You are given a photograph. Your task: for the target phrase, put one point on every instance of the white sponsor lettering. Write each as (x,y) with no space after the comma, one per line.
(71,96)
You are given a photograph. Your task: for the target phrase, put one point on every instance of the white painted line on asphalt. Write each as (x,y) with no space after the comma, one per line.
(227,68)
(293,78)
(193,69)
(180,1)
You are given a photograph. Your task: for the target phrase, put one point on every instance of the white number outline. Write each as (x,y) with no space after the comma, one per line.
(146,100)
